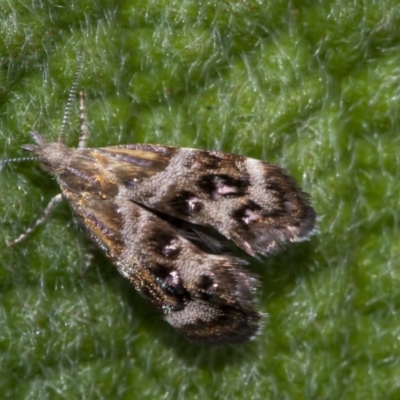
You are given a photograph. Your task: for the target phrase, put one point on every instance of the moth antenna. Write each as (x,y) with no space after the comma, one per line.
(71,96)
(84,136)
(53,202)
(18,159)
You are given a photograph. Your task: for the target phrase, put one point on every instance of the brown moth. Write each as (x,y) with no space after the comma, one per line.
(152,210)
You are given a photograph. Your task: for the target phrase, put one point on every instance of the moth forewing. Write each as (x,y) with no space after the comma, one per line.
(254,203)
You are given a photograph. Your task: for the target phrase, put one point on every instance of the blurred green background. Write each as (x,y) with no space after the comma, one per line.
(313,86)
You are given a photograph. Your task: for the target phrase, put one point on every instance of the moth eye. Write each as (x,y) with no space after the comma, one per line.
(186,203)
(217,186)
(248,213)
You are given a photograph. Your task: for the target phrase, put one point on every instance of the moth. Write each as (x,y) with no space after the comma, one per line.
(158,213)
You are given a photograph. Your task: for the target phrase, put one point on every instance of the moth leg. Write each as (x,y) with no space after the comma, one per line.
(84,136)
(89,257)
(53,202)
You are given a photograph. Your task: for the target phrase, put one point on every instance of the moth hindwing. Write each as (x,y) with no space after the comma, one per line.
(150,208)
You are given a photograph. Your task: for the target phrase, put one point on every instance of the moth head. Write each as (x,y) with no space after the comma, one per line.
(50,155)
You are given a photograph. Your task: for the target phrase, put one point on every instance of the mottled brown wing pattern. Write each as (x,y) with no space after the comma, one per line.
(254,203)
(129,199)
(209,298)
